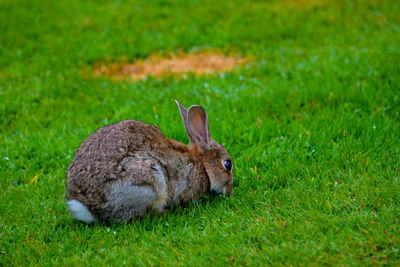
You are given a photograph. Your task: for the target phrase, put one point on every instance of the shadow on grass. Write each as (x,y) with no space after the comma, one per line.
(151,221)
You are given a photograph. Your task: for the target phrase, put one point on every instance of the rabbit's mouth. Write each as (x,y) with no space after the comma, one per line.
(215,193)
(216,190)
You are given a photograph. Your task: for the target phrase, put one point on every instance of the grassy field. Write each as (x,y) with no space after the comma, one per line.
(313,126)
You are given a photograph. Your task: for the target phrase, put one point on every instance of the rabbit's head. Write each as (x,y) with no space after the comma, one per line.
(213,156)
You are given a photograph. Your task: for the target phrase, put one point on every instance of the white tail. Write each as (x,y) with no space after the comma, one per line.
(79,211)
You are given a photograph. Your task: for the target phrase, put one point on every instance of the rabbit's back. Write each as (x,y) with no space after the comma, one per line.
(97,159)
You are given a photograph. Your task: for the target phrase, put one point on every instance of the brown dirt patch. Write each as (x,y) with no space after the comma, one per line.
(195,63)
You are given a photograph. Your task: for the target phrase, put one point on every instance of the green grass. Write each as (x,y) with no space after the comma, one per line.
(313,126)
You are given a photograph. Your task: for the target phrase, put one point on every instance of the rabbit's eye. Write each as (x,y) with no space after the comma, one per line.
(228,164)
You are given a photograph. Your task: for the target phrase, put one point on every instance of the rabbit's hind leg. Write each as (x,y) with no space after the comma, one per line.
(142,188)
(126,199)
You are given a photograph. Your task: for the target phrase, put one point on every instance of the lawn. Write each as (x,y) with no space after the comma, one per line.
(312,124)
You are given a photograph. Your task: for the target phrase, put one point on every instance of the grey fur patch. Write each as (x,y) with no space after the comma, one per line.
(180,186)
(127,199)
(161,177)
(181,183)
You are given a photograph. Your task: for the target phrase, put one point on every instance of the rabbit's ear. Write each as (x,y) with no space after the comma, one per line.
(184,114)
(198,126)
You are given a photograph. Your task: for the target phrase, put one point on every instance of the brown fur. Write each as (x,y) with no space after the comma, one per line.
(105,157)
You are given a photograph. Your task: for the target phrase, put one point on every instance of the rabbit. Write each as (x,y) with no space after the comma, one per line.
(128,169)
